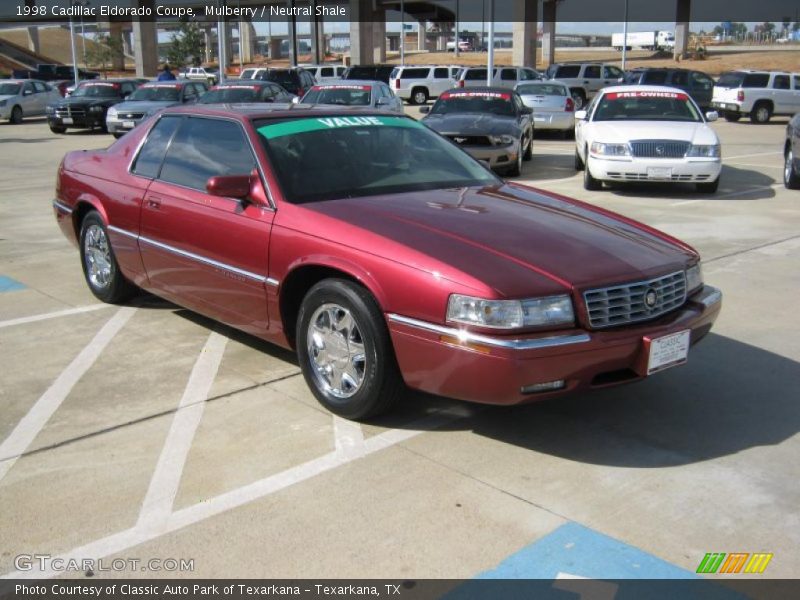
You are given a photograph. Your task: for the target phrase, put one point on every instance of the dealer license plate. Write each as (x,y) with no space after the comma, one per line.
(659,172)
(67,121)
(539,119)
(668,351)
(128,124)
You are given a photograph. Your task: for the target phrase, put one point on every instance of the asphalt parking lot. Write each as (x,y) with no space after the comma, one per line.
(146,431)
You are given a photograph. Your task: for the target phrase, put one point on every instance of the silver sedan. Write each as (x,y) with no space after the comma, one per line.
(372,94)
(552,104)
(20,98)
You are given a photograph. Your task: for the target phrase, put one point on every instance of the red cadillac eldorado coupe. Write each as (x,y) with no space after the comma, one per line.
(382,253)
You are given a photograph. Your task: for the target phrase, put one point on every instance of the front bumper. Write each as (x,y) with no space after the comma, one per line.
(117,125)
(88,121)
(498,157)
(5,111)
(695,170)
(562,121)
(495,369)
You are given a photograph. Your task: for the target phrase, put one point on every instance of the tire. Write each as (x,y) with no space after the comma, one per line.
(732,117)
(16,116)
(791,178)
(100,267)
(117,135)
(708,188)
(761,113)
(579,166)
(516,169)
(58,129)
(362,379)
(590,183)
(419,96)
(568,134)
(528,155)
(579,98)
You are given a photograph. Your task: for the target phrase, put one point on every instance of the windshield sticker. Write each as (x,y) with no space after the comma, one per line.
(100,84)
(450,95)
(670,95)
(235,87)
(305,125)
(361,88)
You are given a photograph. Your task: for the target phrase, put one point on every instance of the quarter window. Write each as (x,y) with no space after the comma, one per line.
(781,82)
(755,80)
(440,73)
(612,73)
(567,72)
(701,81)
(152,153)
(203,148)
(508,75)
(680,78)
(414,73)
(592,72)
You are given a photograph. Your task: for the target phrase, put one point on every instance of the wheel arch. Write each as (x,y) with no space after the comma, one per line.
(83,206)
(302,276)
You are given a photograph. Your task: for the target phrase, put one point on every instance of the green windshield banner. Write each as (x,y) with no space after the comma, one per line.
(323,123)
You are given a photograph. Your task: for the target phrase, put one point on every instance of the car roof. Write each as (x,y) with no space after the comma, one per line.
(278,110)
(349,82)
(472,90)
(21,80)
(641,88)
(245,82)
(167,82)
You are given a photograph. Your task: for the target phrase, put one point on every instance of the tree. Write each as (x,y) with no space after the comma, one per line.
(102,52)
(188,45)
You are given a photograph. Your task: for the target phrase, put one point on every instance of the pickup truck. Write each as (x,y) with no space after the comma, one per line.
(52,72)
(200,74)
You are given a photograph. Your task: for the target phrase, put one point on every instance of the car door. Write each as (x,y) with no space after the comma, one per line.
(39,98)
(796,93)
(27,98)
(702,88)
(441,81)
(508,77)
(781,94)
(592,78)
(207,252)
(525,121)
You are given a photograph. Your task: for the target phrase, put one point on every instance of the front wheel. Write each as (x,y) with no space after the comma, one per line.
(708,187)
(345,352)
(579,166)
(16,116)
(791,178)
(589,182)
(732,117)
(58,129)
(100,267)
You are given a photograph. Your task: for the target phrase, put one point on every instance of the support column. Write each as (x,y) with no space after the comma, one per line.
(524,31)
(207,44)
(682,18)
(118,57)
(127,42)
(274,48)
(548,33)
(317,40)
(145,37)
(361,32)
(33,39)
(292,27)
(228,41)
(421,34)
(247,41)
(379,36)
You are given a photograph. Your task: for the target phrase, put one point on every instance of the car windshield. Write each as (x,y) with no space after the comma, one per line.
(541,89)
(247,74)
(157,93)
(344,95)
(231,95)
(364,156)
(646,106)
(285,79)
(495,103)
(9,89)
(97,90)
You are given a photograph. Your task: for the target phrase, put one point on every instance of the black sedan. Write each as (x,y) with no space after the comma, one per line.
(86,108)
(791,155)
(492,124)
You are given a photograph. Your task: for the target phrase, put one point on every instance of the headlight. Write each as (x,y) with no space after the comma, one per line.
(694,277)
(610,149)
(704,151)
(50,109)
(501,140)
(112,113)
(95,109)
(510,314)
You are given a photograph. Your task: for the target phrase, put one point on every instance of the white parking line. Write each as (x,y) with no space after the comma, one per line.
(348,436)
(33,422)
(52,315)
(123,540)
(728,195)
(729,158)
(157,505)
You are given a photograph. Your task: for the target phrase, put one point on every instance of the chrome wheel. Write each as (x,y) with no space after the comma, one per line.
(336,351)
(97,255)
(788,167)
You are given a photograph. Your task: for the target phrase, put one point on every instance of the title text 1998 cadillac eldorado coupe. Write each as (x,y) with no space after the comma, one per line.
(382,253)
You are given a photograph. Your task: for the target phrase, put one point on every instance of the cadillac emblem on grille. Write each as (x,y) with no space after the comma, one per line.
(460,140)
(650,298)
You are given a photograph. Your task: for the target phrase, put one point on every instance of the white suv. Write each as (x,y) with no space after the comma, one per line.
(585,80)
(507,77)
(325,73)
(416,84)
(202,74)
(759,94)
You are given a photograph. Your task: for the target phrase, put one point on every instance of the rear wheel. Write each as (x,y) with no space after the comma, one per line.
(58,128)
(528,155)
(589,182)
(419,96)
(16,116)
(709,187)
(117,135)
(732,117)
(791,178)
(100,268)
(761,113)
(345,351)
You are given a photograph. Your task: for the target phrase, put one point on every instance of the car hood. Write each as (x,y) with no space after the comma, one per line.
(81,101)
(146,106)
(618,132)
(471,124)
(514,239)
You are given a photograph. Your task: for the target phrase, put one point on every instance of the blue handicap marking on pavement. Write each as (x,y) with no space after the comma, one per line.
(10,285)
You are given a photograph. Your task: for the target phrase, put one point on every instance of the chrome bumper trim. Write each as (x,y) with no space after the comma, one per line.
(466,336)
(62,207)
(708,296)
(123,232)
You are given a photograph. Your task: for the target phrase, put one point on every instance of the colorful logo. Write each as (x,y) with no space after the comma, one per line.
(736,562)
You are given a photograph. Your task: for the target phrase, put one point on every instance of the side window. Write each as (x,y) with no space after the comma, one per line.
(440,73)
(39,87)
(508,74)
(475,75)
(203,148)
(326,72)
(680,78)
(592,72)
(654,77)
(781,82)
(797,82)
(340,71)
(27,88)
(701,81)
(755,80)
(152,153)
(612,73)
(189,93)
(529,75)
(518,104)
(568,72)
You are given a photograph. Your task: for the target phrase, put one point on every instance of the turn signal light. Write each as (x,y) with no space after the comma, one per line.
(570,105)
(548,386)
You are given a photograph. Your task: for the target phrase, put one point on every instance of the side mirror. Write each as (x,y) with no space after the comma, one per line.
(229,186)
(425,109)
(712,115)
(27,93)
(381,102)
(620,80)
(580,115)
(296,100)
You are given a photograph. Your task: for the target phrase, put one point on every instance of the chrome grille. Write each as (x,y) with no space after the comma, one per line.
(133,116)
(617,175)
(623,304)
(68,111)
(470,140)
(659,148)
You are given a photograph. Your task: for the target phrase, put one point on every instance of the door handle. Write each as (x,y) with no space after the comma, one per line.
(154,203)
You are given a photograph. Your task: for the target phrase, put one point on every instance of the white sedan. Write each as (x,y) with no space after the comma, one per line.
(20,98)
(646,133)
